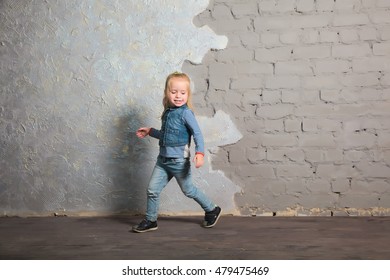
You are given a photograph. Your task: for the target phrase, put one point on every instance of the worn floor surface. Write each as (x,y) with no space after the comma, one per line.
(281,238)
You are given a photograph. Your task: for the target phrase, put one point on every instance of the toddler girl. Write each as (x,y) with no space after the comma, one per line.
(178,125)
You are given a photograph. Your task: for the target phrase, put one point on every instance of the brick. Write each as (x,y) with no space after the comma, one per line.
(348,36)
(385,80)
(285,6)
(251,97)
(271,125)
(222,70)
(237,156)
(292,125)
(222,12)
(350,19)
(333,171)
(305,6)
(319,186)
(368,34)
(364,65)
(321,82)
(296,186)
(317,140)
(255,155)
(235,55)
(246,9)
(309,125)
(267,6)
(334,155)
(289,96)
(344,51)
(327,36)
(278,140)
(381,48)
(290,37)
(348,5)
(353,109)
(372,186)
(293,171)
(360,80)
(314,156)
(325,5)
(316,110)
(358,140)
(269,39)
(254,125)
(295,22)
(310,21)
(310,36)
(330,95)
(312,52)
(273,54)
(293,67)
(340,185)
(380,17)
(276,111)
(257,170)
(332,66)
(247,83)
(369,3)
(276,155)
(295,155)
(358,200)
(383,3)
(285,81)
(271,96)
(249,39)
(224,26)
(329,125)
(254,68)
(354,155)
(385,33)
(310,96)
(384,140)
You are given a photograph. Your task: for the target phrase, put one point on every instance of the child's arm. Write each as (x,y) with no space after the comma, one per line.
(192,124)
(142,132)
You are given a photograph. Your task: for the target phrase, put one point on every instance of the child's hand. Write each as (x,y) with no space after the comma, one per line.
(143,132)
(199,160)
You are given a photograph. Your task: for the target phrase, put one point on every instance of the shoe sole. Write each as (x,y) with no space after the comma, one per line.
(210,226)
(146,230)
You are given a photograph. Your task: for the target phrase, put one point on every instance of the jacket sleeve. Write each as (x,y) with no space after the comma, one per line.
(155,133)
(192,125)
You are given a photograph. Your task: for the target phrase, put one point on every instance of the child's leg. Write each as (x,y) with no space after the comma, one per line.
(158,181)
(182,173)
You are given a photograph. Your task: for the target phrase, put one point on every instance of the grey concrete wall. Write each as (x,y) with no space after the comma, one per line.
(294,107)
(77,78)
(308,84)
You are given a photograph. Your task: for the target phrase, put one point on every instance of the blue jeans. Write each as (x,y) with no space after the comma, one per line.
(164,170)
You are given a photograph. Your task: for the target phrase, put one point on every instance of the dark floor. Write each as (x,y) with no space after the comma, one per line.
(280,238)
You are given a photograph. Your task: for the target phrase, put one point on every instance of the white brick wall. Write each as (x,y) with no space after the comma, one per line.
(314,82)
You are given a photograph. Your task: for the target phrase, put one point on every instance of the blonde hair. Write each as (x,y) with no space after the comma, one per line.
(167,86)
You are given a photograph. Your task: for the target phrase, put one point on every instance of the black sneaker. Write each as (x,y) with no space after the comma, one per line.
(145,226)
(211,218)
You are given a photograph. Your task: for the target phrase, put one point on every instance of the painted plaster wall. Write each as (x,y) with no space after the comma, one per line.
(308,84)
(77,78)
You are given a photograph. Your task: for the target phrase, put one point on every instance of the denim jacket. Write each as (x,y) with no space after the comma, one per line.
(178,125)
(173,129)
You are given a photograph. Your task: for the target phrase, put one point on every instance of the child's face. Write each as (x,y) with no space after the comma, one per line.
(178,92)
